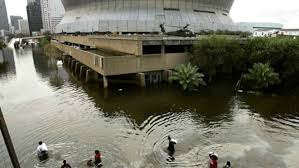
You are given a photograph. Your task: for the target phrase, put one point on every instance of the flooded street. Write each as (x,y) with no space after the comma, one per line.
(42,101)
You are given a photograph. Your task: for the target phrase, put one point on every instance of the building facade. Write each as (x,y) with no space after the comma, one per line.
(289,32)
(34,16)
(3,16)
(145,15)
(52,14)
(14,21)
(24,27)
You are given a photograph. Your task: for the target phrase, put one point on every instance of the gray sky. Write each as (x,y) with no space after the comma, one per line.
(281,11)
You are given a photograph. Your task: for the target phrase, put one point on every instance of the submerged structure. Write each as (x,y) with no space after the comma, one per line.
(145,16)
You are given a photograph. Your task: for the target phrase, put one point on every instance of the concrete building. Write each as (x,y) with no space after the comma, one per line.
(14,21)
(34,16)
(289,32)
(24,27)
(260,29)
(145,16)
(52,14)
(3,16)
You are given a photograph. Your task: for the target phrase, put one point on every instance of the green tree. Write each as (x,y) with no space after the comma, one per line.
(188,76)
(218,51)
(261,76)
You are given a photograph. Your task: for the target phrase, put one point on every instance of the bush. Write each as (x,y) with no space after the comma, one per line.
(261,76)
(217,51)
(188,77)
(281,53)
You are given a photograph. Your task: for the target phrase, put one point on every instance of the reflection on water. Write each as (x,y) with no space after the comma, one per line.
(130,126)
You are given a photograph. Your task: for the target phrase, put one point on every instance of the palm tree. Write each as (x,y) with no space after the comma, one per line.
(261,76)
(188,77)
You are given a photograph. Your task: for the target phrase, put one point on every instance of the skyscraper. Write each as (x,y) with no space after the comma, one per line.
(52,13)
(14,21)
(3,16)
(34,16)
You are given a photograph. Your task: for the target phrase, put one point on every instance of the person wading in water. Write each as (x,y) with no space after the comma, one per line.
(171,148)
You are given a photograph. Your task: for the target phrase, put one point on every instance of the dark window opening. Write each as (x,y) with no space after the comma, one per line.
(204,11)
(152,49)
(225,14)
(172,9)
(175,49)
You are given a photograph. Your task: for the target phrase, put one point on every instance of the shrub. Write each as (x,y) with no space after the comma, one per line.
(217,51)
(261,76)
(188,76)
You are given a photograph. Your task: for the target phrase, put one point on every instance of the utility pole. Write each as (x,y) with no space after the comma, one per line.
(9,145)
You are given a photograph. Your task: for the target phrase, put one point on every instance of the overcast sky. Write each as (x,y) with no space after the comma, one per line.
(280,11)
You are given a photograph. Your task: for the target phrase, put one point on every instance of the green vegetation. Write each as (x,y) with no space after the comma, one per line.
(261,76)
(217,52)
(45,40)
(233,57)
(225,32)
(188,77)
(51,51)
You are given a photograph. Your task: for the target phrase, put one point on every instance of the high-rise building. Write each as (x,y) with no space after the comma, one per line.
(3,16)
(52,14)
(24,27)
(14,21)
(34,16)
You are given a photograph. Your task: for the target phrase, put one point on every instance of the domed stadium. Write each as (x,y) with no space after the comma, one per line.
(145,16)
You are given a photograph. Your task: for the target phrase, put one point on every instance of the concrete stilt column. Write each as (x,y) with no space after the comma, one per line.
(77,67)
(166,75)
(88,75)
(82,71)
(105,82)
(69,62)
(73,64)
(141,78)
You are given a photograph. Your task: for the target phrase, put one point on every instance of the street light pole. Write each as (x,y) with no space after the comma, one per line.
(9,145)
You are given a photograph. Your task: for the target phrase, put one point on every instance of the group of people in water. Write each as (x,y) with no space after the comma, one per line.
(213,157)
(42,153)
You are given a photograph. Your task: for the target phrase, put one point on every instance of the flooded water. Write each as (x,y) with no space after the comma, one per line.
(130,125)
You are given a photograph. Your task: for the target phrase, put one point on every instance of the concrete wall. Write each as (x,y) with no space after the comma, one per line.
(118,65)
(129,46)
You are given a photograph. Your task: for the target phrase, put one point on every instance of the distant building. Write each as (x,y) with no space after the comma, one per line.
(260,29)
(289,32)
(24,27)
(52,14)
(14,21)
(3,16)
(34,16)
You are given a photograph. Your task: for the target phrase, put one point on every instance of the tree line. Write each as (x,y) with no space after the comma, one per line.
(262,64)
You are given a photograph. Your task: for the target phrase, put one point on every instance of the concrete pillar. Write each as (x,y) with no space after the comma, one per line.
(88,76)
(166,75)
(162,49)
(82,71)
(69,62)
(141,78)
(77,67)
(73,64)
(105,82)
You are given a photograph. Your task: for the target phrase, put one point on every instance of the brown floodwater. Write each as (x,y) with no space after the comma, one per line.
(130,125)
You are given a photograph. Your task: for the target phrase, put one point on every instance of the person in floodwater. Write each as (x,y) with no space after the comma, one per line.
(171,148)
(171,143)
(213,160)
(97,159)
(65,165)
(228,165)
(42,151)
